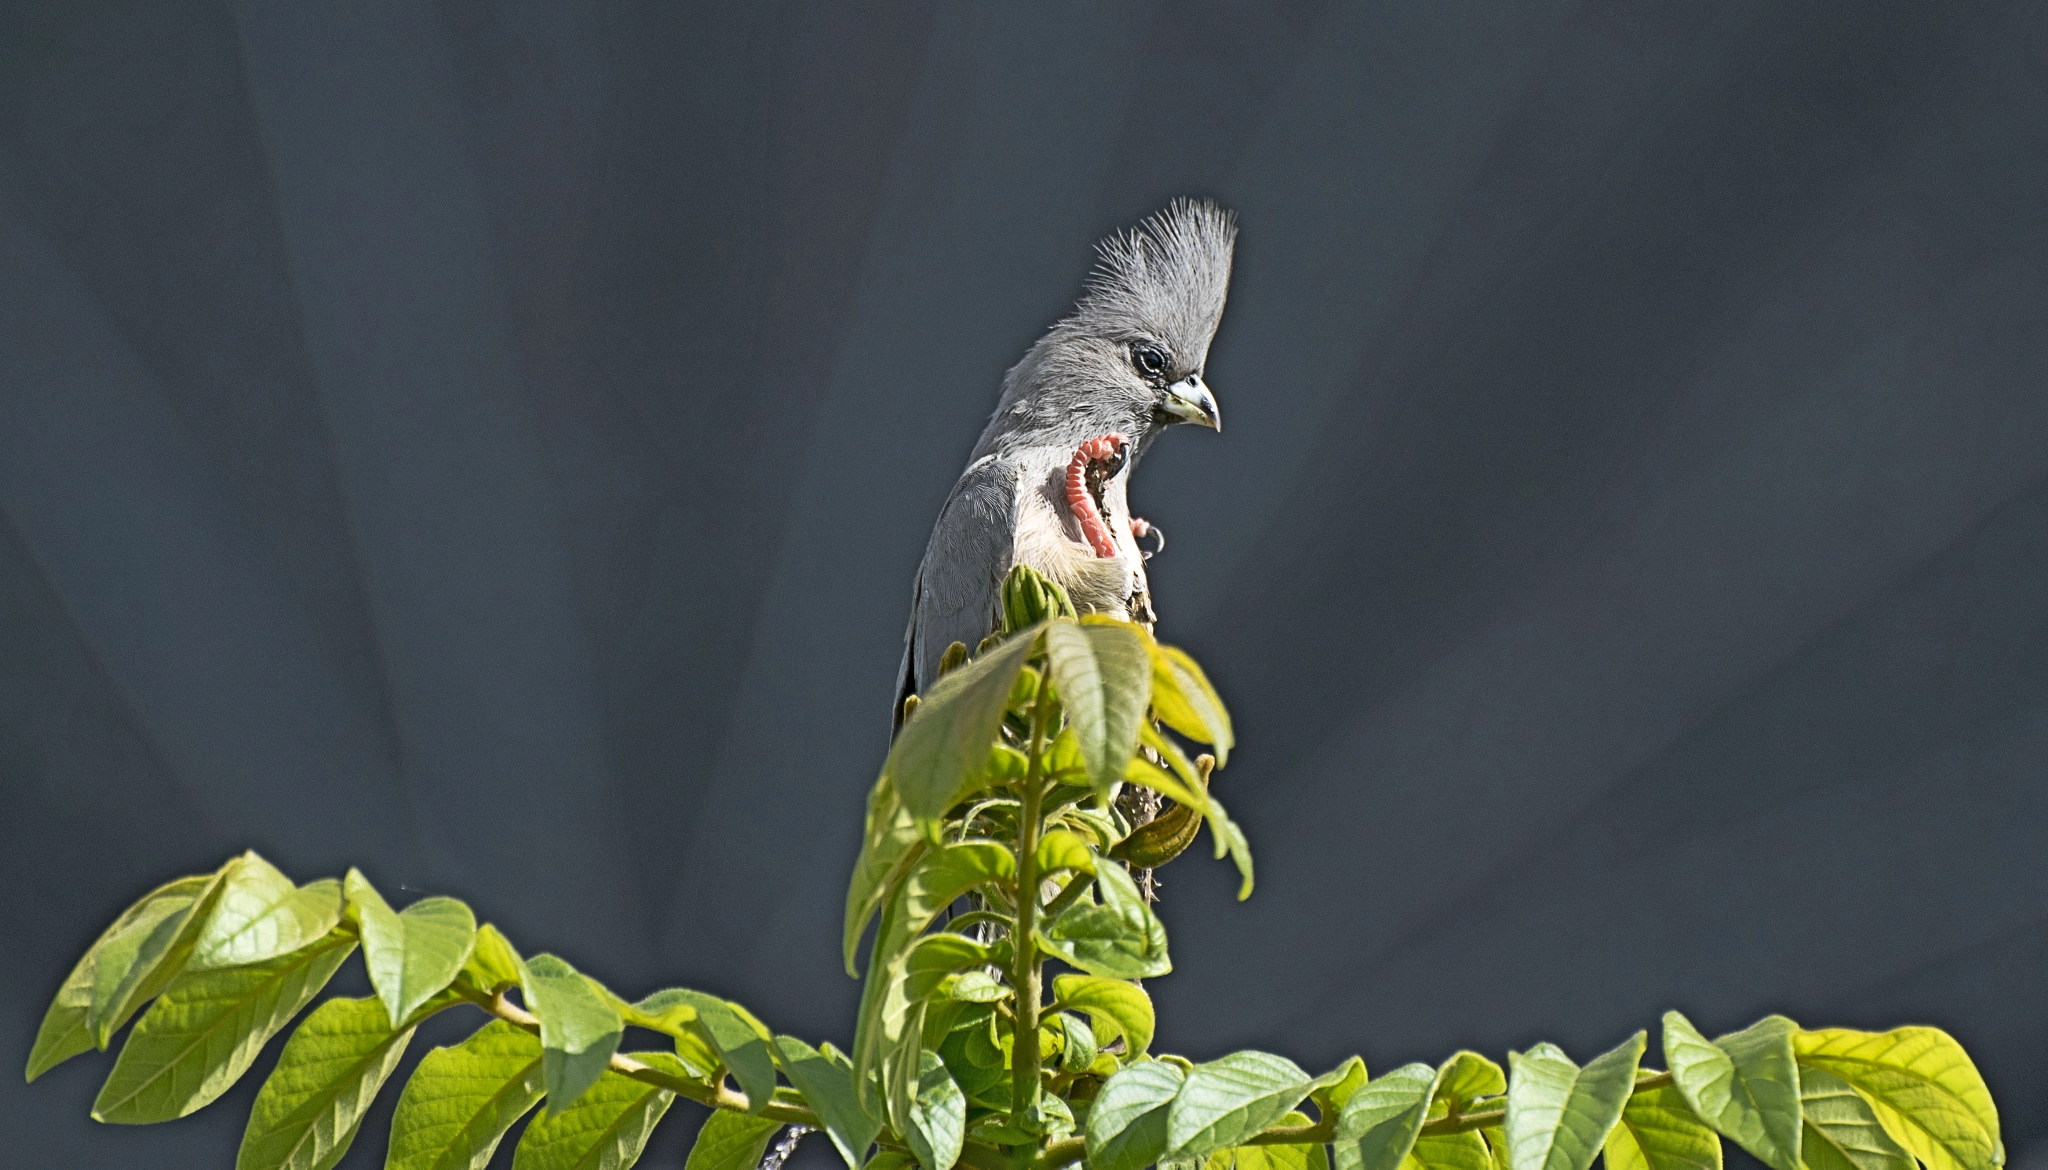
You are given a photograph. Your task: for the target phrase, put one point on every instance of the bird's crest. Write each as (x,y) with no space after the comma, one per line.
(1171,270)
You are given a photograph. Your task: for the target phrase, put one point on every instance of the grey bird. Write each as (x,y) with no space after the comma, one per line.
(1047,484)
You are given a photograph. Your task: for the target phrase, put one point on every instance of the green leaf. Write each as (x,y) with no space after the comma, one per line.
(891,844)
(1063,759)
(1745,1084)
(196,1041)
(1229,839)
(1183,700)
(985,1083)
(1023,693)
(1466,1077)
(898,1071)
(1451,1151)
(934,883)
(975,987)
(1118,1008)
(1379,1122)
(938,1115)
(461,1100)
(1311,1157)
(731,1141)
(138,963)
(492,962)
(63,1033)
(941,754)
(1497,1145)
(66,1029)
(1841,1131)
(1055,1115)
(739,1041)
(1276,1157)
(1334,1088)
(1104,675)
(262,915)
(1226,1101)
(1060,849)
(579,1031)
(825,1078)
(306,1114)
(1559,1114)
(1120,938)
(1659,1131)
(1127,1123)
(1169,783)
(1382,1117)
(604,1129)
(742,1046)
(934,957)
(673,1013)
(937,879)
(1921,1085)
(1077,1045)
(413,955)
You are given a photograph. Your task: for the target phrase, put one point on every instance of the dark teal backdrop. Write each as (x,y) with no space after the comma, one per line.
(489,443)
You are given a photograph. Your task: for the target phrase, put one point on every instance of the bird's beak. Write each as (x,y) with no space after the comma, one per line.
(1189,400)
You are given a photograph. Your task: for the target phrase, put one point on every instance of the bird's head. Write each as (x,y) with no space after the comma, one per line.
(1130,357)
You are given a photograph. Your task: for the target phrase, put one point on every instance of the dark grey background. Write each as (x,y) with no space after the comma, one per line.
(489,443)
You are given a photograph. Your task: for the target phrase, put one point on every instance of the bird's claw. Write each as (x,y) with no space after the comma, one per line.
(1111,451)
(1141,528)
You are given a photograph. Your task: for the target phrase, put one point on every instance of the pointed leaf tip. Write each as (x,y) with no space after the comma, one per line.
(1104,674)
(1127,1122)
(1229,1100)
(608,1126)
(1559,1115)
(579,1030)
(1183,700)
(1744,1084)
(196,1042)
(461,1101)
(414,954)
(1921,1086)
(306,1114)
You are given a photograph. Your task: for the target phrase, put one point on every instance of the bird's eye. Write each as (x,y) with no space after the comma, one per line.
(1150,362)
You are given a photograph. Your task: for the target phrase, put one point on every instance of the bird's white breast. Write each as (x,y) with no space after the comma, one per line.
(1049,539)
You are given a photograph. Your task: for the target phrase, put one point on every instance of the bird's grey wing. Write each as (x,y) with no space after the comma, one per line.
(959,585)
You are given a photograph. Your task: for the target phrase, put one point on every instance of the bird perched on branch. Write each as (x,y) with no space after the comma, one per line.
(1047,484)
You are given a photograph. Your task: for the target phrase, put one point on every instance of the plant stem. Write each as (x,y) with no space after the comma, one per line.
(973,917)
(717,1096)
(1024,972)
(1465,1122)
(1064,1152)
(1325,1130)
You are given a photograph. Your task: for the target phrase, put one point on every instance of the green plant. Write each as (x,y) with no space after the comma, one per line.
(1006,792)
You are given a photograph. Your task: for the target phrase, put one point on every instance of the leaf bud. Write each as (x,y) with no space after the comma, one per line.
(954,657)
(1030,597)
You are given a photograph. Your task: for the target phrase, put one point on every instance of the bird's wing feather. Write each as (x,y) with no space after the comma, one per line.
(959,585)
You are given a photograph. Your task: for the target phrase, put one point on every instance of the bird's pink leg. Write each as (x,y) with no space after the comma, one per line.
(1082,503)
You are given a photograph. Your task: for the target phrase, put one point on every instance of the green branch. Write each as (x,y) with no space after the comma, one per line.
(1064,1152)
(205,946)
(1024,949)
(719,1096)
